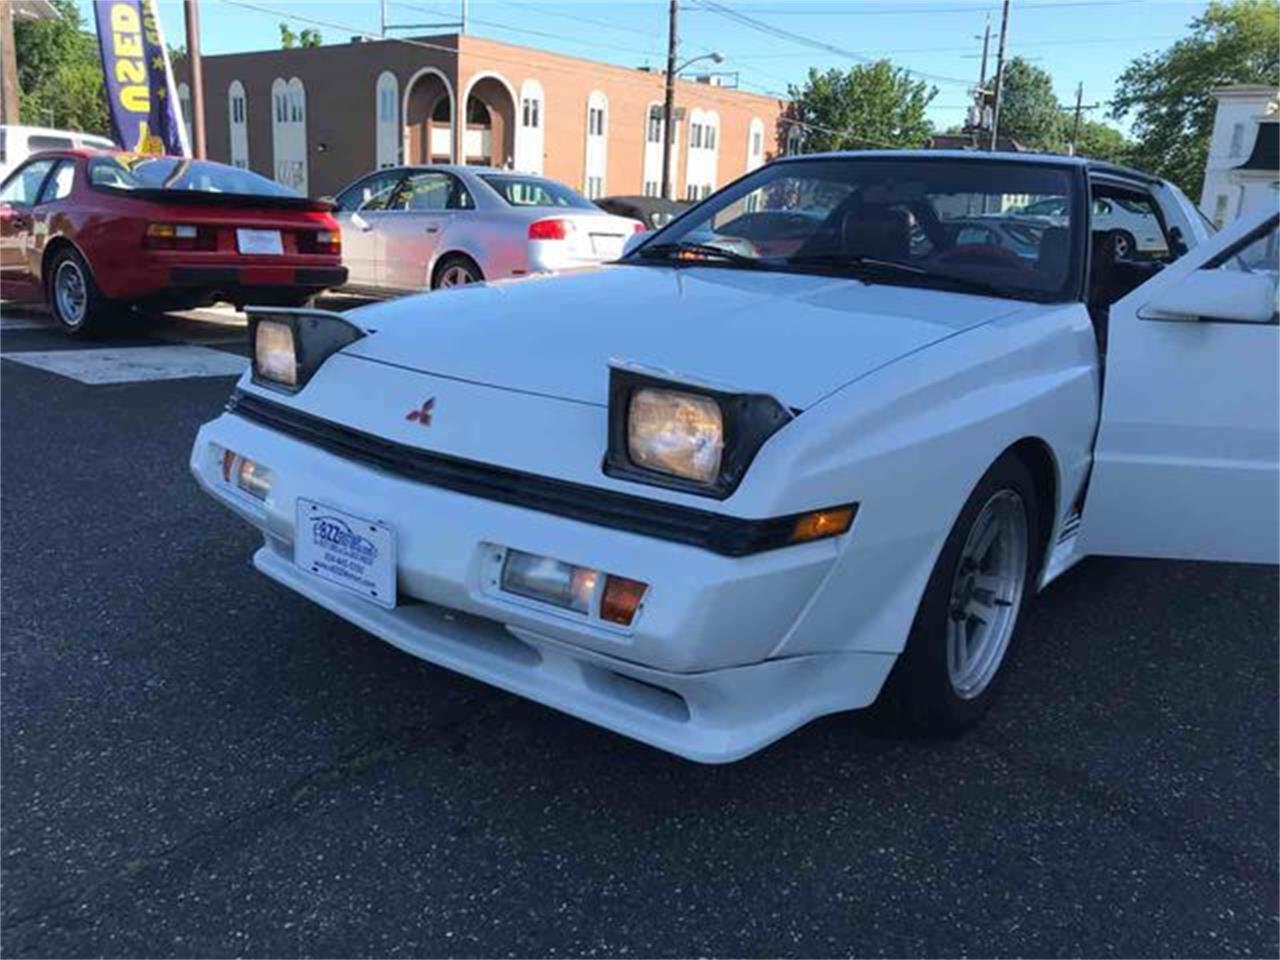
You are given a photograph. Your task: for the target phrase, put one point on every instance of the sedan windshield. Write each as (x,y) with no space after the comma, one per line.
(536,192)
(951,223)
(140,172)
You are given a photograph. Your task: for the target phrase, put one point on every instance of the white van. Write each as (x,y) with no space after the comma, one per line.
(18,143)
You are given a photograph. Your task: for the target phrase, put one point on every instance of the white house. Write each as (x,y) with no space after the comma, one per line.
(1243,169)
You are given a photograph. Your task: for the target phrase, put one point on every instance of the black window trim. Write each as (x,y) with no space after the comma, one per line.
(41,199)
(1261,230)
(39,158)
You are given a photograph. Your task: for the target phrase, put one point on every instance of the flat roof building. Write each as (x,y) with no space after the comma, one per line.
(316,118)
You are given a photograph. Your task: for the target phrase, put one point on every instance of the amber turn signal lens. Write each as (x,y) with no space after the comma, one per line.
(621,599)
(822,523)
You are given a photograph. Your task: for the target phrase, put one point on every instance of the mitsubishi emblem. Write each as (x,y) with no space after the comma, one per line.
(422,415)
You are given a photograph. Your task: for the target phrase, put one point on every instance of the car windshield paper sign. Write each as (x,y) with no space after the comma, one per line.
(141,95)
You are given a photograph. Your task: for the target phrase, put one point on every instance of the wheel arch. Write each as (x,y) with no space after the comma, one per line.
(51,250)
(1037,456)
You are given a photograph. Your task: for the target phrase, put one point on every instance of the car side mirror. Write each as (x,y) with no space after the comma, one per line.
(635,240)
(1224,295)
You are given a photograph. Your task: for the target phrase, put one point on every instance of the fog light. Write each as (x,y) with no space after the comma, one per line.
(254,479)
(621,599)
(548,580)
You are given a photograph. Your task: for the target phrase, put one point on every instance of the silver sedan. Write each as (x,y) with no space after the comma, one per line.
(410,228)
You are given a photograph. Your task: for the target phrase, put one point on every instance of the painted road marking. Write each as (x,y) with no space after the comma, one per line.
(24,323)
(133,364)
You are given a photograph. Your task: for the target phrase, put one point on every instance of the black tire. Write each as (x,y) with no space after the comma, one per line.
(919,694)
(89,319)
(453,265)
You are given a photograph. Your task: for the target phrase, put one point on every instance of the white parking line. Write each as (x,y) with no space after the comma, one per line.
(24,323)
(133,364)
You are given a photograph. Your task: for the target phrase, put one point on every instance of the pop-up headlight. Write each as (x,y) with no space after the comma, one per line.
(687,436)
(288,346)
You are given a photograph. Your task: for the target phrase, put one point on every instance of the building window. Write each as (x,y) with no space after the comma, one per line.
(709,138)
(595,187)
(1237,140)
(1220,210)
(597,144)
(289,134)
(238,129)
(652,188)
(388,133)
(653,133)
(757,143)
(530,113)
(595,122)
(695,136)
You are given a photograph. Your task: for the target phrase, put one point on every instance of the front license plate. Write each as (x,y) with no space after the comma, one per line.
(352,552)
(259,241)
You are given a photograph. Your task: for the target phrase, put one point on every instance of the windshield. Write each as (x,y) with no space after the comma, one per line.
(535,192)
(128,172)
(913,221)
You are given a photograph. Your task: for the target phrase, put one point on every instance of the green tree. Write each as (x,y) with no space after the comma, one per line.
(1102,142)
(307,38)
(60,72)
(1029,110)
(870,106)
(1168,93)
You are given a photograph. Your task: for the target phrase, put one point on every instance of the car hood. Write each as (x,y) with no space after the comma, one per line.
(797,337)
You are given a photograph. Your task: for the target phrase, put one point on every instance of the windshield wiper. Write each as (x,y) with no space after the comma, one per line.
(696,252)
(862,266)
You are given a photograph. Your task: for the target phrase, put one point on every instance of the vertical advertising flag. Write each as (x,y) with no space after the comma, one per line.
(141,95)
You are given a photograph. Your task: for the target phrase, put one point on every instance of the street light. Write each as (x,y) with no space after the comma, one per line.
(669,107)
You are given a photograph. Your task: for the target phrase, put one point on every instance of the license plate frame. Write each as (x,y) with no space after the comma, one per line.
(607,244)
(254,242)
(346,550)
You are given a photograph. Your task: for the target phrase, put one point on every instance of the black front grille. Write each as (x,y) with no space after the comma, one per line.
(730,536)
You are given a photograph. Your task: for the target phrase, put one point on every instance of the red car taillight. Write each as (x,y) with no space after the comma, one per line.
(638,227)
(179,236)
(320,241)
(554,229)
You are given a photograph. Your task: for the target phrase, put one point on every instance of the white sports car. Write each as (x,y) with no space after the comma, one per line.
(745,477)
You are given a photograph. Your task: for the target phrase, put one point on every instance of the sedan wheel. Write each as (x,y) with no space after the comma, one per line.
(456,274)
(986,594)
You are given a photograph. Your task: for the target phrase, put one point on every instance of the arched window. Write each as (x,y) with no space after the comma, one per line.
(388,134)
(704,149)
(530,135)
(795,139)
(597,144)
(289,133)
(237,119)
(653,128)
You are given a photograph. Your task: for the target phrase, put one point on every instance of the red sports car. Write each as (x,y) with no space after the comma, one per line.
(86,229)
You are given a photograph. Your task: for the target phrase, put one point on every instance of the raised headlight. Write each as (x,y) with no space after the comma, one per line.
(675,432)
(685,435)
(275,356)
(288,346)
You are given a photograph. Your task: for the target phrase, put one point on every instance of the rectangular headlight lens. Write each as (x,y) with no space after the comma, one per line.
(275,355)
(677,433)
(551,581)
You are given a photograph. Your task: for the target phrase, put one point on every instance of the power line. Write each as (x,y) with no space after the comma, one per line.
(907,9)
(958,49)
(812,42)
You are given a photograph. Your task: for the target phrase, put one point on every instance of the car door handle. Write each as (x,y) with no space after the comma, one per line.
(433,229)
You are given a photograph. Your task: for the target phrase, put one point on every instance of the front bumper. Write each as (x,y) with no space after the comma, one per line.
(694,675)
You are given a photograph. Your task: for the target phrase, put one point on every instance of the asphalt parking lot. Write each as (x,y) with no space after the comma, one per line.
(196,762)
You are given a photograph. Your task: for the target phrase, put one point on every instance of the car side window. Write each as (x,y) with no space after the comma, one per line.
(1135,226)
(58,186)
(370,194)
(23,186)
(431,191)
(1259,255)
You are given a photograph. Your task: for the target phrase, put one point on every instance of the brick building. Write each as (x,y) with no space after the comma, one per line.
(317,117)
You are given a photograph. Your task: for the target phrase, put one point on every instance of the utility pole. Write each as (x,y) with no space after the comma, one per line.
(986,44)
(669,103)
(1075,126)
(464,16)
(382,7)
(192,12)
(995,109)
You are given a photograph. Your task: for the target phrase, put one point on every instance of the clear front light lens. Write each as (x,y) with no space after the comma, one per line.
(274,354)
(677,433)
(254,479)
(548,580)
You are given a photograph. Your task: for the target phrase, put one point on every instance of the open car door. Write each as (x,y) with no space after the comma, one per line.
(1187,459)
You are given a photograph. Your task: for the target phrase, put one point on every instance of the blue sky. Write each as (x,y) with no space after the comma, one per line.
(1089,41)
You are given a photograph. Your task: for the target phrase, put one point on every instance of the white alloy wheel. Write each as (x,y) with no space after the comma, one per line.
(456,275)
(986,593)
(70,293)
